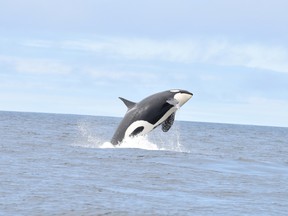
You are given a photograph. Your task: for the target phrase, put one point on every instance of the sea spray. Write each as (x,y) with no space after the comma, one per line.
(90,137)
(140,142)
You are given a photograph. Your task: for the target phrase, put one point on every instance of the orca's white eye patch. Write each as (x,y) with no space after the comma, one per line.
(174,90)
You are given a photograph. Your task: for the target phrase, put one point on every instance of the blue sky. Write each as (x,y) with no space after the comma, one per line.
(78,56)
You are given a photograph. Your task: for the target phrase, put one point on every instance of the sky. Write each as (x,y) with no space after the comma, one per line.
(79,56)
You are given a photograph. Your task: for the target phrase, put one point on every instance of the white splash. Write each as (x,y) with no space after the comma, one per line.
(155,140)
(140,142)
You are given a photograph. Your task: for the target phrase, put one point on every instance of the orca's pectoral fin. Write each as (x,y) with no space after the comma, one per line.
(166,125)
(173,102)
(129,104)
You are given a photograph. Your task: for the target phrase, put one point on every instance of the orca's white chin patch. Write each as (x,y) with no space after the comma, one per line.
(182,98)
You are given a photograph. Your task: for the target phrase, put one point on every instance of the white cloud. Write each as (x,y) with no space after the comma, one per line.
(38,43)
(255,56)
(120,75)
(217,52)
(36,65)
(143,49)
(209,77)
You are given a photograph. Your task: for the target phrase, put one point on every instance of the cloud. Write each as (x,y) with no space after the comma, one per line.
(36,65)
(106,77)
(205,51)
(120,75)
(38,43)
(253,56)
(138,49)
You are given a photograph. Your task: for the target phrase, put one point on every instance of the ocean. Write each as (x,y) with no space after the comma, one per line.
(56,164)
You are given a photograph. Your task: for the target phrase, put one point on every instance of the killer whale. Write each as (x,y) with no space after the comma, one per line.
(152,111)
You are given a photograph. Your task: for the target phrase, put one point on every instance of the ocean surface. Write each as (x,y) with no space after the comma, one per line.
(54,164)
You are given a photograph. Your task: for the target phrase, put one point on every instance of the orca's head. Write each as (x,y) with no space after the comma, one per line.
(182,96)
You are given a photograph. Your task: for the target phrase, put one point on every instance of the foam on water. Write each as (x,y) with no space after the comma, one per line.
(144,142)
(155,140)
(140,142)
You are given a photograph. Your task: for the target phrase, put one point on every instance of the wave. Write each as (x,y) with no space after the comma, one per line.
(155,140)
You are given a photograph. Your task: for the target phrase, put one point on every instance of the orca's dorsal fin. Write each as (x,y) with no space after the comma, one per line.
(129,104)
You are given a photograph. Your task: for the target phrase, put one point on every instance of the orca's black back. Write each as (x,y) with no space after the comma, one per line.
(150,109)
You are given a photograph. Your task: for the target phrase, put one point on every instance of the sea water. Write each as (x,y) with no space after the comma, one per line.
(53,164)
